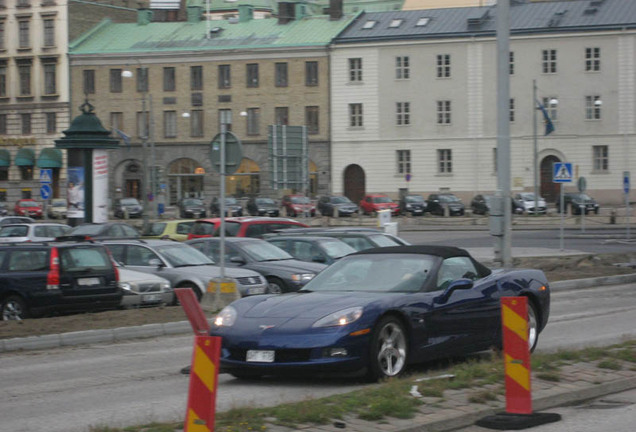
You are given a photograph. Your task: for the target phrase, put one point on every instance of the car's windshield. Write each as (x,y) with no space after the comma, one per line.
(264,251)
(154,229)
(528,196)
(414,199)
(231,201)
(58,203)
(86,230)
(129,201)
(179,255)
(29,204)
(192,202)
(382,199)
(581,197)
(448,198)
(264,201)
(382,240)
(336,248)
(300,200)
(340,200)
(13,231)
(375,273)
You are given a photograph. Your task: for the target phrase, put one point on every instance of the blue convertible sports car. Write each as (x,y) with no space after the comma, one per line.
(376,311)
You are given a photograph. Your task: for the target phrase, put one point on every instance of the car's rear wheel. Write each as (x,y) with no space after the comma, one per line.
(388,351)
(193,287)
(275,285)
(14,308)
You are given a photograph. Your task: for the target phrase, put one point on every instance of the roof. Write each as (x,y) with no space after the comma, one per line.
(114,38)
(525,18)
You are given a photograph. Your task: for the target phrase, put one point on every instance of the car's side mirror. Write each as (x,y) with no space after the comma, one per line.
(459,284)
(156,262)
(237,260)
(318,259)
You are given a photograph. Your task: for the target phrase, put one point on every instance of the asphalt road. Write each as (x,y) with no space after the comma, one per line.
(71,389)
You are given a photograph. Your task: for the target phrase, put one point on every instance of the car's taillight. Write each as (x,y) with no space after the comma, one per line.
(114,265)
(53,277)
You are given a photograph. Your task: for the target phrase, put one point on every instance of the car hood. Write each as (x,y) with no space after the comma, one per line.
(267,206)
(345,205)
(194,208)
(290,265)
(215,271)
(127,275)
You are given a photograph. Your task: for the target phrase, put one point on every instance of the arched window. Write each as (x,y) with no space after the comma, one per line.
(245,181)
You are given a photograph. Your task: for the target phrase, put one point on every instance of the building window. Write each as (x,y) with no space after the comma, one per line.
(26,173)
(142,124)
(311,119)
(142,80)
(403,113)
(402,67)
(3,80)
(24,34)
(3,124)
(115,81)
(281,75)
(311,73)
(549,61)
(550,104)
(196,78)
(403,161)
(281,115)
(512,110)
(443,66)
(593,107)
(169,124)
(511,63)
(355,115)
(24,70)
(49,32)
(592,59)
(444,112)
(2,34)
(224,77)
(50,79)
(169,82)
(252,74)
(253,120)
(196,123)
(225,117)
(51,123)
(601,158)
(494,160)
(355,70)
(445,161)
(89,81)
(117,121)
(25,120)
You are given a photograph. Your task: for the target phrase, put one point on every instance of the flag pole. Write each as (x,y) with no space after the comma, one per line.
(536,152)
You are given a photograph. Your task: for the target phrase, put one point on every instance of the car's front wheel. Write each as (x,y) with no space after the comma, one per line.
(14,308)
(275,286)
(388,350)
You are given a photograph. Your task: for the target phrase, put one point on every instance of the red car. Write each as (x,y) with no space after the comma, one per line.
(246,226)
(27,207)
(298,205)
(370,204)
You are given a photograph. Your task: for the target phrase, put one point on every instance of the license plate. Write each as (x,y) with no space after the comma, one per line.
(256,290)
(260,356)
(88,281)
(151,298)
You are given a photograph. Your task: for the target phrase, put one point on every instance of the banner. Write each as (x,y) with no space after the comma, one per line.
(100,186)
(75,192)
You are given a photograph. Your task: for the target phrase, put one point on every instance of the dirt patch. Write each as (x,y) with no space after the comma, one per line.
(556,269)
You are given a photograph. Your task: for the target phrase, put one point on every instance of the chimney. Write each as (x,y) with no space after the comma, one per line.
(194,13)
(246,12)
(286,12)
(335,10)
(144,16)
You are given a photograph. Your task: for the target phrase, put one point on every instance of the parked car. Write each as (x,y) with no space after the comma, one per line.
(141,289)
(578,202)
(438,201)
(127,207)
(282,271)
(4,210)
(481,205)
(177,230)
(527,200)
(298,205)
(260,206)
(27,207)
(413,204)
(357,315)
(246,226)
(373,203)
(31,232)
(332,205)
(42,278)
(357,238)
(191,208)
(232,207)
(57,209)
(181,264)
(326,250)
(101,231)
(5,220)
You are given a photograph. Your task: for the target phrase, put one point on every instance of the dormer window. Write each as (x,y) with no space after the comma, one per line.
(422,21)
(369,24)
(395,23)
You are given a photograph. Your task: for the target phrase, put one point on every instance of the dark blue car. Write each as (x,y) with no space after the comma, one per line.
(377,311)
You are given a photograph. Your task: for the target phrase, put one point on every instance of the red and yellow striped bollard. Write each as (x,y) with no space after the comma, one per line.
(203,383)
(514,317)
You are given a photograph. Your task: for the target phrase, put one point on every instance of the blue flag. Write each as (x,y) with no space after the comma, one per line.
(549,127)
(124,137)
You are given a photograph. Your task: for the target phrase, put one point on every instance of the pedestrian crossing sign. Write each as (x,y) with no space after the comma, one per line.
(46,176)
(562,172)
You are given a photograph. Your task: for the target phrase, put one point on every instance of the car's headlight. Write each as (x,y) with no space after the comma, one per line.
(128,286)
(165,286)
(226,317)
(340,318)
(303,277)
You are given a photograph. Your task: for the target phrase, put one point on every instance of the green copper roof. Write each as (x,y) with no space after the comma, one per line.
(114,38)
(216,5)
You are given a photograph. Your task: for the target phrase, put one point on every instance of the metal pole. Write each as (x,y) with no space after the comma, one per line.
(503,242)
(562,215)
(153,162)
(222,203)
(535,154)
(145,160)
(627,212)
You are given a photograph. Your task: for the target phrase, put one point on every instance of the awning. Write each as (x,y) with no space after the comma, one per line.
(5,158)
(25,157)
(50,158)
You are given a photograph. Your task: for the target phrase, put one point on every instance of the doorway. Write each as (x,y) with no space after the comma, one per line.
(549,190)
(354,183)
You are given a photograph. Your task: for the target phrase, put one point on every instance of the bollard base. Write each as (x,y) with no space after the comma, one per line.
(507,421)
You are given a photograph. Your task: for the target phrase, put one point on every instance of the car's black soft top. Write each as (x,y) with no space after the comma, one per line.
(441,251)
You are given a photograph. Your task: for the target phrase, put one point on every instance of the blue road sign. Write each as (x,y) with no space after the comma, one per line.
(562,172)
(46,176)
(45,191)
(626,182)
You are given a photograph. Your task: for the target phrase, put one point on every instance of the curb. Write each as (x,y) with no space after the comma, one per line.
(182,327)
